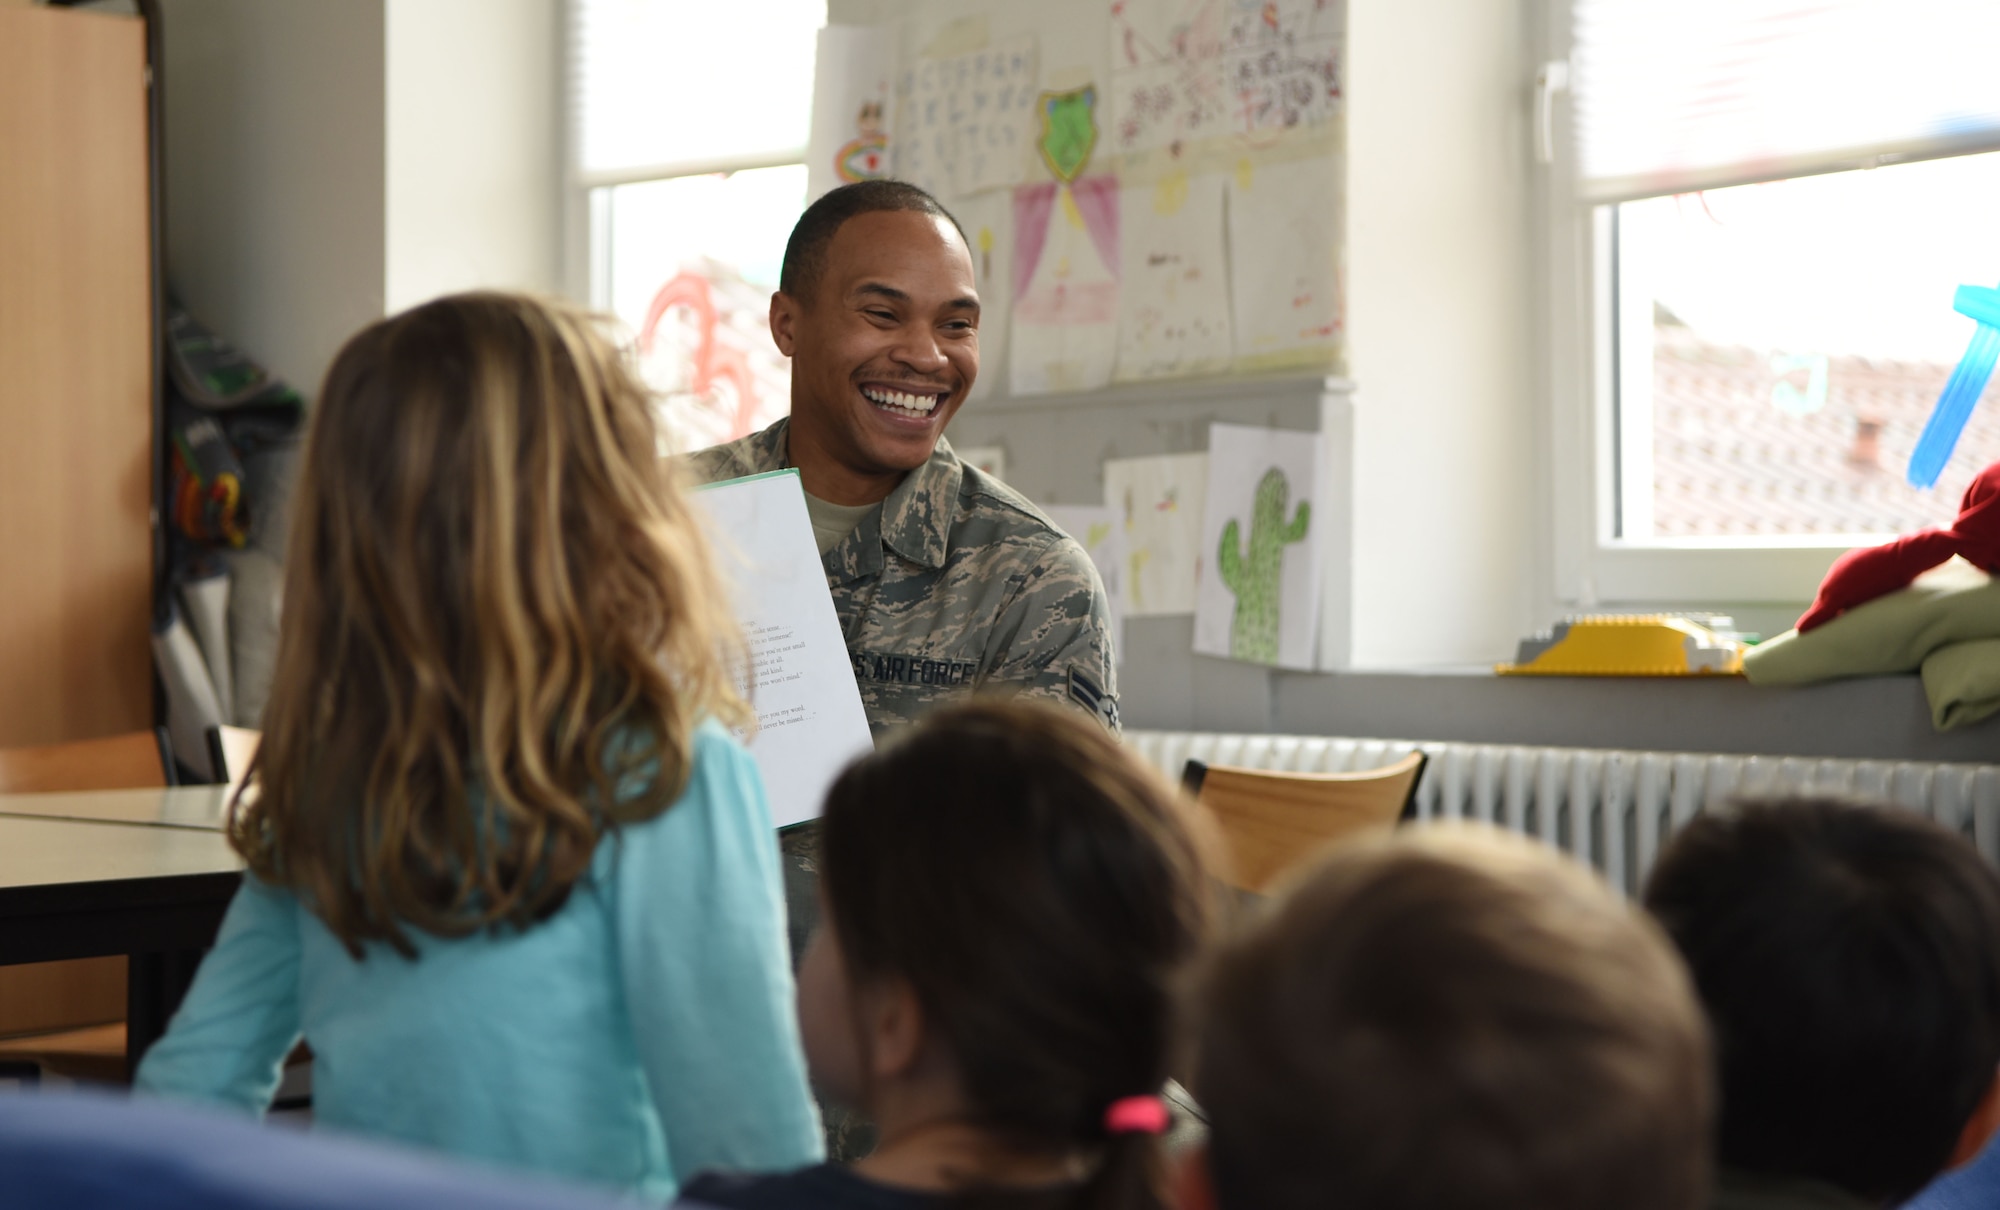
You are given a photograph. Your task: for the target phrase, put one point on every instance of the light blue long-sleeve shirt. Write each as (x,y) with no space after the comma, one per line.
(643,1032)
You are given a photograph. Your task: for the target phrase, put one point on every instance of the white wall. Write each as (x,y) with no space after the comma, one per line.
(274,166)
(1447,545)
(474,175)
(328,163)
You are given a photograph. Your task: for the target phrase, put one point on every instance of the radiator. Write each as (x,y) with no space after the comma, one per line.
(1610,808)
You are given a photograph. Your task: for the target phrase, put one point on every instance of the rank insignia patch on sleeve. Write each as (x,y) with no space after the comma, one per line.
(1087,693)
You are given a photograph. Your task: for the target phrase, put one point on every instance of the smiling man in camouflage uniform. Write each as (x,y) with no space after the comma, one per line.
(947,582)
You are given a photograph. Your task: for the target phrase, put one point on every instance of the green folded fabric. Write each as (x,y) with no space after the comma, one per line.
(1946,626)
(1962,682)
(1896,633)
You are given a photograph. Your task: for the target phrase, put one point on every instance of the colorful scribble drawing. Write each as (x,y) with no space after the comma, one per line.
(1069,131)
(865,157)
(705,349)
(1256,578)
(1190,72)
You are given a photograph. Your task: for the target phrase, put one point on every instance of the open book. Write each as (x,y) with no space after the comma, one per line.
(810,722)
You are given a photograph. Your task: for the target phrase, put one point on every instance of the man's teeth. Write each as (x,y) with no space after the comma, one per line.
(902,401)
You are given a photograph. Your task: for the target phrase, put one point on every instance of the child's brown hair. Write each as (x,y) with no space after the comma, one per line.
(500,626)
(1040,888)
(1453,1019)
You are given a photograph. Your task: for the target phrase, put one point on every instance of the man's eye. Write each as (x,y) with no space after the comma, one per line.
(885,316)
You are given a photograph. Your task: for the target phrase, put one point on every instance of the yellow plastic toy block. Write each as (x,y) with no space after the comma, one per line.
(1628,645)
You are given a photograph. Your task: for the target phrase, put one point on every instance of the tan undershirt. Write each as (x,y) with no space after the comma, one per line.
(833,522)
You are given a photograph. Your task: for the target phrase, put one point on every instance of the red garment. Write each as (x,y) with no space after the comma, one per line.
(1859,576)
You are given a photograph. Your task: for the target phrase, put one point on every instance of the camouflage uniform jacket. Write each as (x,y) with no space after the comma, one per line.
(956,585)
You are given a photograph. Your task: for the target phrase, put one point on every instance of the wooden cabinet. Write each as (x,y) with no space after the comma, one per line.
(76,376)
(77,416)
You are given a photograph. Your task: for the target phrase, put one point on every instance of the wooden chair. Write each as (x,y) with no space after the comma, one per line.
(230,751)
(137,760)
(1273,821)
(69,1017)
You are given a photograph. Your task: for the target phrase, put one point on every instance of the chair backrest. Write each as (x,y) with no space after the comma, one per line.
(132,761)
(230,751)
(1272,821)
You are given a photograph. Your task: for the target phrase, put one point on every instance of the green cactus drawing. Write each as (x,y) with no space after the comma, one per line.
(1254,578)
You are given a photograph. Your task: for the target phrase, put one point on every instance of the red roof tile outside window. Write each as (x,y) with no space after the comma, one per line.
(1801,333)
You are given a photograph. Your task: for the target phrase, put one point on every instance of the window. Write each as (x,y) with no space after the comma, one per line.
(1781,345)
(687,171)
(1755,215)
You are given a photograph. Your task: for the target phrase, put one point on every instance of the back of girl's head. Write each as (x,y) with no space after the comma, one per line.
(499,630)
(1039,889)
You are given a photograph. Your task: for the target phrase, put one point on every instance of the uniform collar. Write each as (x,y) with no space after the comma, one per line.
(915,520)
(917,516)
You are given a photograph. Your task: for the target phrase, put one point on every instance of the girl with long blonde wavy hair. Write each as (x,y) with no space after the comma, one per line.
(508,874)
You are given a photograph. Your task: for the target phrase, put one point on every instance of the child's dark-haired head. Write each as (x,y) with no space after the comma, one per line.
(1446,1019)
(1849,960)
(1037,890)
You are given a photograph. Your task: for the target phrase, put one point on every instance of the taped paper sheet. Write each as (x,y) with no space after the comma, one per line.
(1176,289)
(1284,280)
(964,123)
(849,141)
(1258,597)
(988,221)
(1101,533)
(810,721)
(1064,334)
(1187,75)
(1159,501)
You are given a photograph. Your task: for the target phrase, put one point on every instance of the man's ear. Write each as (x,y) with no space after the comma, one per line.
(1194,1183)
(784,321)
(1980,1127)
(895,1029)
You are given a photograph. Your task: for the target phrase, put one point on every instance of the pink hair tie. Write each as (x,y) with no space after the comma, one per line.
(1136,1115)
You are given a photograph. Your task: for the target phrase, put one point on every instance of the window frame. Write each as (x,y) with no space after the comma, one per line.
(1577,367)
(586,212)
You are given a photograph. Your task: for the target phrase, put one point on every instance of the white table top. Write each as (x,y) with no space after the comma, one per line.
(198,807)
(48,852)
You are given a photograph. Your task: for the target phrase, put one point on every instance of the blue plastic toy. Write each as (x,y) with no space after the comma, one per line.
(1954,407)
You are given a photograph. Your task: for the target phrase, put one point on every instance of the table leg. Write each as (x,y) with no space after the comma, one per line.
(155,983)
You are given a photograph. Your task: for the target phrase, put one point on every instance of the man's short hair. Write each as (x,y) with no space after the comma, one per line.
(1849,960)
(1453,1017)
(805,252)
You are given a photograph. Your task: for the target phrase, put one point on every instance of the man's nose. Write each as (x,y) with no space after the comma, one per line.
(919,349)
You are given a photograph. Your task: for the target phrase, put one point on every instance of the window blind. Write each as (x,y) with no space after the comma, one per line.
(660,87)
(1698,94)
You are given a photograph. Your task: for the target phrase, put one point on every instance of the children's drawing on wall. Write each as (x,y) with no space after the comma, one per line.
(1101,533)
(1159,501)
(1068,131)
(1189,74)
(1258,595)
(849,138)
(865,157)
(988,221)
(1066,259)
(1176,290)
(963,123)
(1284,278)
(706,348)
(1065,325)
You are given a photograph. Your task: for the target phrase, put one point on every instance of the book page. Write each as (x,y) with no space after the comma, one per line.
(810,722)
